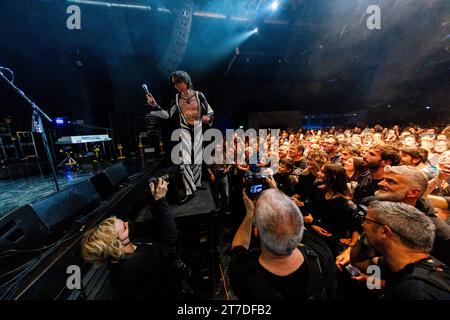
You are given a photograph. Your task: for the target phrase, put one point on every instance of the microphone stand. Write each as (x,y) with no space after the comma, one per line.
(37,126)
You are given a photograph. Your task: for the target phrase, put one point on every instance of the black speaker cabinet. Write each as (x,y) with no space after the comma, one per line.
(109,180)
(196,244)
(22,229)
(204,275)
(56,209)
(29,227)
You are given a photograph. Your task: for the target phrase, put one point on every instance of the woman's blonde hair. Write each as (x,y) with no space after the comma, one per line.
(102,242)
(318,158)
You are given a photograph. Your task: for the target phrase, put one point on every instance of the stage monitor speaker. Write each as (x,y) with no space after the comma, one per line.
(109,180)
(30,226)
(62,206)
(22,229)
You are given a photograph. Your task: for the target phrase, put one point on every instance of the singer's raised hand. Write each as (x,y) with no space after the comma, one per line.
(151,101)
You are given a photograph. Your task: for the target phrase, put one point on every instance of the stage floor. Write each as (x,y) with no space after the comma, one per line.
(18,191)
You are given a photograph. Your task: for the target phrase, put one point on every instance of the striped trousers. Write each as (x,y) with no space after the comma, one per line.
(192,158)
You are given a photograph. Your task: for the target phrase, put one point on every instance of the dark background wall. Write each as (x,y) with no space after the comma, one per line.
(320,59)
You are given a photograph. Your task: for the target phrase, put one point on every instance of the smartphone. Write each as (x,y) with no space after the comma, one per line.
(354,272)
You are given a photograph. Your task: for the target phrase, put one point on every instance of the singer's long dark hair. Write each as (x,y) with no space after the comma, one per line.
(181,76)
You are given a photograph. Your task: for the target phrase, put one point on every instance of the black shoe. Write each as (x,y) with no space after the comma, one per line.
(186,199)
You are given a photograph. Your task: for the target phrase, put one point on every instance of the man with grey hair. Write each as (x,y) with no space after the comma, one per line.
(404,237)
(408,185)
(282,268)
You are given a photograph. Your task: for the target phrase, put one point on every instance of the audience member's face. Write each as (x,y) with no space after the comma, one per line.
(349,165)
(440,147)
(345,155)
(122,230)
(341,137)
(427,144)
(282,169)
(409,142)
(293,151)
(291,137)
(283,152)
(329,145)
(406,159)
(371,227)
(393,187)
(391,135)
(320,176)
(441,137)
(372,158)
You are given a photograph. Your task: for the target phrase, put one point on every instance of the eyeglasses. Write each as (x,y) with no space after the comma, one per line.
(373,221)
(381,224)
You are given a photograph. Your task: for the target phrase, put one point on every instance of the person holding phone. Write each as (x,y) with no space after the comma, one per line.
(283,268)
(404,237)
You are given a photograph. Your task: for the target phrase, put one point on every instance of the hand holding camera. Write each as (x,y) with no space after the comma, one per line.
(249,205)
(160,190)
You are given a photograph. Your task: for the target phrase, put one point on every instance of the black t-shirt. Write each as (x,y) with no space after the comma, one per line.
(292,286)
(398,287)
(366,187)
(307,191)
(335,216)
(300,164)
(144,274)
(284,184)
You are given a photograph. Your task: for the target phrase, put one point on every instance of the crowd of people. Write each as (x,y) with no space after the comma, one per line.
(354,213)
(379,188)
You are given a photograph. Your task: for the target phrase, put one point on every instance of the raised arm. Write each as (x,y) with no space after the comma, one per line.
(156,111)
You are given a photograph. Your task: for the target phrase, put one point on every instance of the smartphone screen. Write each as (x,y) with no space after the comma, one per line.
(256,189)
(352,270)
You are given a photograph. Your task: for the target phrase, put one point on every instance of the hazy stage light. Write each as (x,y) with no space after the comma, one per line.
(274,5)
(255,30)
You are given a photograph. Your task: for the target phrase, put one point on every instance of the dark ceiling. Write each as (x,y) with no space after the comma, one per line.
(317,56)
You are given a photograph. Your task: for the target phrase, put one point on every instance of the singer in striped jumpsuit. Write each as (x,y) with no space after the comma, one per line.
(193,110)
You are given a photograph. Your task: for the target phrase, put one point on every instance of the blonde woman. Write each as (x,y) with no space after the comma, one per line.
(140,269)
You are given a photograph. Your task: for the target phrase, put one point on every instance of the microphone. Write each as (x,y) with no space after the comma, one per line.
(144,86)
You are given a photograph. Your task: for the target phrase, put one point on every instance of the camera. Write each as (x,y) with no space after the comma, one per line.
(166,174)
(165,177)
(254,183)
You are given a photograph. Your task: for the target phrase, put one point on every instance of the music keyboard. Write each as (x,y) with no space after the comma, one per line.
(83,139)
